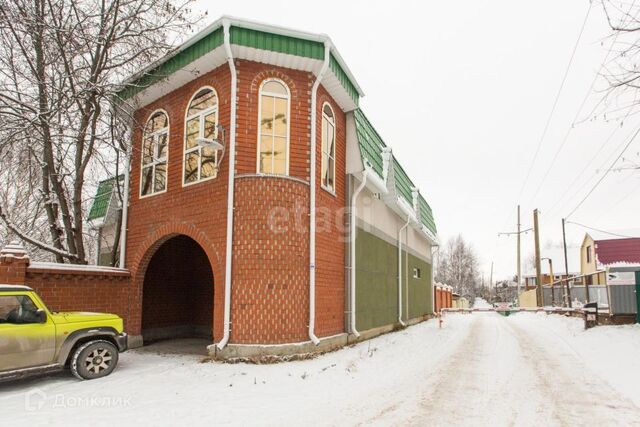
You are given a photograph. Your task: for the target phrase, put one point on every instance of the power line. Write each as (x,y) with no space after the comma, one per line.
(575,119)
(555,102)
(602,231)
(604,175)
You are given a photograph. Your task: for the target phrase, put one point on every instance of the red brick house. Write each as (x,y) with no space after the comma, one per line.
(314,237)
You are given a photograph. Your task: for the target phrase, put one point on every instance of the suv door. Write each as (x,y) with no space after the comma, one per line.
(24,341)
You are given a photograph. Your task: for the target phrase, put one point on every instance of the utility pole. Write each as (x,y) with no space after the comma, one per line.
(536,234)
(518,278)
(518,233)
(566,267)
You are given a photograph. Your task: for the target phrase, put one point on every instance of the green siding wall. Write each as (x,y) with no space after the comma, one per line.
(377,283)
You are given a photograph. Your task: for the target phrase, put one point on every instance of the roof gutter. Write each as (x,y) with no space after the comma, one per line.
(231,187)
(312,195)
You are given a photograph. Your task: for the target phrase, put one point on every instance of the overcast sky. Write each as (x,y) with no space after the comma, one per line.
(462,91)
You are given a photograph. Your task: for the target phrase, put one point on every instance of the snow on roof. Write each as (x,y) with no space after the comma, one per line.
(620,251)
(614,234)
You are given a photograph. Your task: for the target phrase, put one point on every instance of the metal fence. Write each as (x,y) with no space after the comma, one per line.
(623,299)
(597,293)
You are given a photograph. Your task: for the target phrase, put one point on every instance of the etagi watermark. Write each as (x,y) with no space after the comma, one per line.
(37,399)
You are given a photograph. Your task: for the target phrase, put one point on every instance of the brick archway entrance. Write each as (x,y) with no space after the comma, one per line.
(177,294)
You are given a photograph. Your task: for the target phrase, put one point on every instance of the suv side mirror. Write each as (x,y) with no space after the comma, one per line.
(41,315)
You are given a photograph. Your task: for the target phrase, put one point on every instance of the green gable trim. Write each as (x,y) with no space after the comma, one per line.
(344,80)
(403,182)
(102,198)
(369,141)
(277,43)
(180,60)
(426,215)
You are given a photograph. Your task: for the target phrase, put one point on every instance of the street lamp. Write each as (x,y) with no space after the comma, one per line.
(214,144)
(553,297)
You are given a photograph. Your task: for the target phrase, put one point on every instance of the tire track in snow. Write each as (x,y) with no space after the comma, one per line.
(578,396)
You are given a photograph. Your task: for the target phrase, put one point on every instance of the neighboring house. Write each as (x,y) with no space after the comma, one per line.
(103,217)
(616,256)
(271,273)
(556,254)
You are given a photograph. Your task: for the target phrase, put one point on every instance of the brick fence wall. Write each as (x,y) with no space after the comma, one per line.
(67,287)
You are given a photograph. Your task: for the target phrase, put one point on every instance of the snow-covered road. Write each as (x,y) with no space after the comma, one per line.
(479,369)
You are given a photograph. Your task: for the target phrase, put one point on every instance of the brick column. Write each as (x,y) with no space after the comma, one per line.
(14,261)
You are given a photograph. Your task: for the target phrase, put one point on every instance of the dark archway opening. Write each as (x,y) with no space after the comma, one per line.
(177,299)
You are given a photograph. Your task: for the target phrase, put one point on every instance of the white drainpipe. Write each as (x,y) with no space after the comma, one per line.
(312,197)
(230,199)
(400,270)
(352,240)
(125,211)
(433,284)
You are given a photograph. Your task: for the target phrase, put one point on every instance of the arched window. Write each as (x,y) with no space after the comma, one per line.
(154,154)
(273,137)
(328,169)
(201,122)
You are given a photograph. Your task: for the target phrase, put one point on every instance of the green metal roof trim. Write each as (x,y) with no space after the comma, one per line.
(369,141)
(102,198)
(242,37)
(342,77)
(426,215)
(277,43)
(371,144)
(403,182)
(174,63)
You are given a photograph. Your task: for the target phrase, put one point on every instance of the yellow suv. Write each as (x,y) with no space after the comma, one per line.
(34,340)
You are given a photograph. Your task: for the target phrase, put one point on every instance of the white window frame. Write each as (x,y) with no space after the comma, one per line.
(335,143)
(417,273)
(261,92)
(154,161)
(201,115)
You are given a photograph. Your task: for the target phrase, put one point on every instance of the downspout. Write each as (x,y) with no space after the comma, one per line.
(312,197)
(433,285)
(125,211)
(230,191)
(352,240)
(400,271)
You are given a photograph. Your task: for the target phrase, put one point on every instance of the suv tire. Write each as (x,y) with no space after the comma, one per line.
(94,359)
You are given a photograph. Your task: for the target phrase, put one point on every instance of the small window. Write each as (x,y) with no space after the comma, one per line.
(588,254)
(154,154)
(18,309)
(417,273)
(273,137)
(328,148)
(201,122)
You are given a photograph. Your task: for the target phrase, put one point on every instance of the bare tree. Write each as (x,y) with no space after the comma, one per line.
(620,67)
(458,266)
(60,65)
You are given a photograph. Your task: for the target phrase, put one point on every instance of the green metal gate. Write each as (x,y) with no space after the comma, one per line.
(637,296)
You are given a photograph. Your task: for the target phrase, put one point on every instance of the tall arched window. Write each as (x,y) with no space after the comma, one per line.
(328,148)
(201,122)
(273,137)
(154,154)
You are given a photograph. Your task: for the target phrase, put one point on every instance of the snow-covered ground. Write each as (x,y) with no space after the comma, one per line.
(479,369)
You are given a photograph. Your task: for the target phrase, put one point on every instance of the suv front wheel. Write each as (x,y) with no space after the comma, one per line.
(94,359)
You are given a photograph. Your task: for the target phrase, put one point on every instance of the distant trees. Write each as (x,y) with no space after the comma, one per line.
(61,62)
(458,266)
